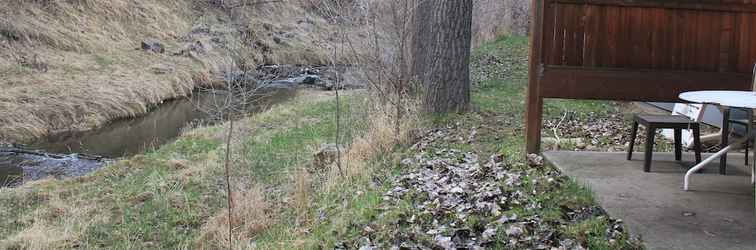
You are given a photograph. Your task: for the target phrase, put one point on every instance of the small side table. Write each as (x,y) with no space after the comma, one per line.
(653,122)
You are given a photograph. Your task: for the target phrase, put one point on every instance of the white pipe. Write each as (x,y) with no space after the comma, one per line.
(699,166)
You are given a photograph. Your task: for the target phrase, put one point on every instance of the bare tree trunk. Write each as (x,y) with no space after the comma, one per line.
(228,183)
(441,53)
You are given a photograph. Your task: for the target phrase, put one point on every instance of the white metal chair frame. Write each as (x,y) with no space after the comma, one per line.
(749,140)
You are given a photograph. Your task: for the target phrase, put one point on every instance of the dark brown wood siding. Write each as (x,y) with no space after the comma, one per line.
(653,37)
(609,34)
(637,50)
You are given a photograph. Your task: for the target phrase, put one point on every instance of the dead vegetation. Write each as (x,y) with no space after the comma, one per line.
(75,65)
(496,18)
(91,81)
(252,215)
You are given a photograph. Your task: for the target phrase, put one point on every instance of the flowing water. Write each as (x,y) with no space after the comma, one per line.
(121,138)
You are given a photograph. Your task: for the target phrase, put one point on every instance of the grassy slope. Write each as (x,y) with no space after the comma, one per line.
(499,119)
(164,198)
(95,73)
(344,215)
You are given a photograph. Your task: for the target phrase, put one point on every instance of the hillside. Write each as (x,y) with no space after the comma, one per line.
(75,65)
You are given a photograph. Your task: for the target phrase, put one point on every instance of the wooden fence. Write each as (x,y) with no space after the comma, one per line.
(636,50)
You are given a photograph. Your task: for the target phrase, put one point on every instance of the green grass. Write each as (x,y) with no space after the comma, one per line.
(272,145)
(502,97)
(175,203)
(499,98)
(344,213)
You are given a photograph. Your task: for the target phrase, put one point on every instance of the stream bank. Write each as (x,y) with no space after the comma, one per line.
(76,153)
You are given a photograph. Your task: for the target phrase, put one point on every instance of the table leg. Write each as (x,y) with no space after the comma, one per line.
(750,138)
(699,166)
(724,141)
(678,144)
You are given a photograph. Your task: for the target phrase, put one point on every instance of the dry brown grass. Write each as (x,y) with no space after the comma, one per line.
(495,18)
(93,72)
(379,139)
(251,214)
(57,225)
(301,195)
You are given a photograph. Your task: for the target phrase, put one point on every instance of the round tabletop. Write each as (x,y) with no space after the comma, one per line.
(729,98)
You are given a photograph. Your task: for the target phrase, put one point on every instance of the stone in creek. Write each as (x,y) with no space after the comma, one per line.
(152,45)
(161,69)
(36,167)
(307,79)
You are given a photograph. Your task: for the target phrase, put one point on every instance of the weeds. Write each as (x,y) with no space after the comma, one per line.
(33,62)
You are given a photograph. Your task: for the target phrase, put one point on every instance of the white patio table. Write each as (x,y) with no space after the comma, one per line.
(725,100)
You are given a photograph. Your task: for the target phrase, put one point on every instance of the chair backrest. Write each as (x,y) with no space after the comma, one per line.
(694,111)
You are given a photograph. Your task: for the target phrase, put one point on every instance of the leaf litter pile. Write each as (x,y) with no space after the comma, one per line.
(449,199)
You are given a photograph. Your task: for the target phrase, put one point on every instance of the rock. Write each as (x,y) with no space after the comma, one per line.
(277,40)
(19,165)
(444,242)
(307,80)
(200,29)
(535,160)
(328,85)
(310,71)
(195,48)
(161,69)
(152,45)
(581,145)
(407,162)
(279,71)
(488,235)
(514,231)
(279,85)
(176,164)
(326,155)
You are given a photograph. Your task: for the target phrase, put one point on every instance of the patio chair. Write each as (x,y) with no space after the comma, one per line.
(653,122)
(748,123)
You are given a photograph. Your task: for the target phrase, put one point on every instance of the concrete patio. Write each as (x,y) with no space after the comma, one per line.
(718,213)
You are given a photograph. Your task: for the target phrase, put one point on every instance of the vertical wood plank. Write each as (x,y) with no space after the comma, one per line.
(744,48)
(624,35)
(557,49)
(725,42)
(715,41)
(534,113)
(571,45)
(645,36)
(601,37)
(611,32)
(735,43)
(549,30)
(591,34)
(676,37)
(579,35)
(659,50)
